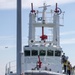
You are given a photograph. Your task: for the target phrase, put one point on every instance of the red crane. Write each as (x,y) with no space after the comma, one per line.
(32,10)
(43,37)
(39,62)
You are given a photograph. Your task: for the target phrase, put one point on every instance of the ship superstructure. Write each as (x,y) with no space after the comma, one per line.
(43,54)
(41,57)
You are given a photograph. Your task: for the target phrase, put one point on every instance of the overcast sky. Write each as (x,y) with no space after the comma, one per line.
(11,4)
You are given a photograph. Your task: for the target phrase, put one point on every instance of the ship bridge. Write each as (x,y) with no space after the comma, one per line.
(49,56)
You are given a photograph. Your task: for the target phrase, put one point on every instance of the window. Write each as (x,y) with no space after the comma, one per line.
(27,52)
(42,53)
(49,53)
(57,53)
(34,52)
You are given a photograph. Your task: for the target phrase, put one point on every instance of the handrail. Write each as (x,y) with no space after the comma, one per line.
(10,67)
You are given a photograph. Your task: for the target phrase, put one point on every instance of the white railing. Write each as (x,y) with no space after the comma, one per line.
(10,67)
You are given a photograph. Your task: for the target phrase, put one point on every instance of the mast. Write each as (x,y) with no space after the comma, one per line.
(19,44)
(43,37)
(32,16)
(56,30)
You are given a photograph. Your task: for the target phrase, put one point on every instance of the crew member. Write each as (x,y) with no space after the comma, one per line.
(65,66)
(64,62)
(63,57)
(69,67)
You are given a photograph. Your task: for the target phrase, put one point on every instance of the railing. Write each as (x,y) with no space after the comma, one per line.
(10,67)
(49,18)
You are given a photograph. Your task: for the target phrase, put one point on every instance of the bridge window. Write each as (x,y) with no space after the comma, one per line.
(57,53)
(27,52)
(34,52)
(42,53)
(49,53)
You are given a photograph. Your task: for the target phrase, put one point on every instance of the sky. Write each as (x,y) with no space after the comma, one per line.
(8,28)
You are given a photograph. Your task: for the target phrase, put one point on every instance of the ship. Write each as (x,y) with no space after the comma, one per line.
(44,56)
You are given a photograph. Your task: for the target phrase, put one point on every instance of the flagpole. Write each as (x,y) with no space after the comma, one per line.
(19,43)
